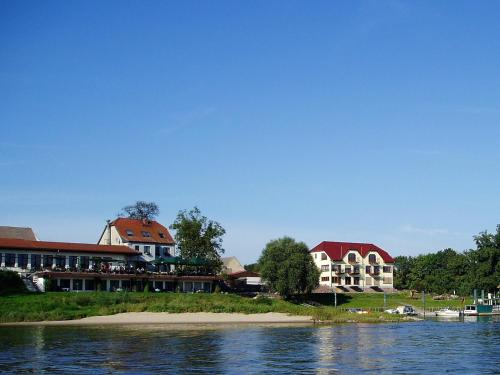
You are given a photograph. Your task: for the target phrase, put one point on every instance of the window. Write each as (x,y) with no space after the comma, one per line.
(22,260)
(64,283)
(347,281)
(368,281)
(325,268)
(372,258)
(159,285)
(126,284)
(114,284)
(10,260)
(48,260)
(387,280)
(166,251)
(351,258)
(348,269)
(72,261)
(161,235)
(387,268)
(315,256)
(376,270)
(368,269)
(84,262)
(356,281)
(36,261)
(77,284)
(157,251)
(325,278)
(137,247)
(147,250)
(61,261)
(146,234)
(337,268)
(336,280)
(130,233)
(356,269)
(89,285)
(323,256)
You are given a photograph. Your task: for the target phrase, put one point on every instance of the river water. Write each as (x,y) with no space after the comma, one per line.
(462,347)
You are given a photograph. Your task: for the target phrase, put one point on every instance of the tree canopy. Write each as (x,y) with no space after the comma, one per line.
(141,210)
(288,268)
(448,271)
(200,238)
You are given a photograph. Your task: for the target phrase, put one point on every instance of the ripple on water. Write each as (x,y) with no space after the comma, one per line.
(410,348)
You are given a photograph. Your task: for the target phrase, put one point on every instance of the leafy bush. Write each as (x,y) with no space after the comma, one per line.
(11,283)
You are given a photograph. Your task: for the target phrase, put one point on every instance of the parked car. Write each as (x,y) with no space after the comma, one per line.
(357,311)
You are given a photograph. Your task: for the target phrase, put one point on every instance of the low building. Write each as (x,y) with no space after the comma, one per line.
(130,255)
(349,266)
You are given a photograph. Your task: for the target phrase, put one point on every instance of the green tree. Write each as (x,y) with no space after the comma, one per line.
(288,268)
(199,239)
(141,210)
(484,261)
(253,267)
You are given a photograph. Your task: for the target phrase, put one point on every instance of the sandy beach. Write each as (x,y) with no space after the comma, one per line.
(177,319)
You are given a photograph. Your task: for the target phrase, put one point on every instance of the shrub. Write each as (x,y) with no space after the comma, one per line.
(11,283)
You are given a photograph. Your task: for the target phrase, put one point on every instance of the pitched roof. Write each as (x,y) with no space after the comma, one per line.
(337,250)
(17,232)
(137,227)
(14,243)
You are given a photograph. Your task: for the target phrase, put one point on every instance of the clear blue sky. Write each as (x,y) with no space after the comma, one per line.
(373,121)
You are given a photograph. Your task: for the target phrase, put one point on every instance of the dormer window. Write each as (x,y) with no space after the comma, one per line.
(351,258)
(130,233)
(161,235)
(146,234)
(372,258)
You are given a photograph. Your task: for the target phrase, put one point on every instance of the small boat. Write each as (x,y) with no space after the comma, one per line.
(448,313)
(489,306)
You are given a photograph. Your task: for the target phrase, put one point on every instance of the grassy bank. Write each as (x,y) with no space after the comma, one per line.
(376,301)
(65,306)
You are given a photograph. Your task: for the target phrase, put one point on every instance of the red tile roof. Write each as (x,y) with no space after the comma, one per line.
(337,250)
(14,243)
(239,274)
(138,226)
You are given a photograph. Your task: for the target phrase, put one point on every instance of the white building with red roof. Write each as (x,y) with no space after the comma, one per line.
(130,255)
(351,266)
(148,237)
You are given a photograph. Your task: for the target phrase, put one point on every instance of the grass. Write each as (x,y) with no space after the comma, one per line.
(376,301)
(66,306)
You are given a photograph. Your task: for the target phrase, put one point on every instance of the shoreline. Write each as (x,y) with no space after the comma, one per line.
(198,318)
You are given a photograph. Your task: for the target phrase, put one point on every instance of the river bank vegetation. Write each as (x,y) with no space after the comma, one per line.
(66,306)
(448,271)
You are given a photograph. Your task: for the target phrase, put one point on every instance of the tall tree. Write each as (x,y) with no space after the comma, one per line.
(288,268)
(141,210)
(199,238)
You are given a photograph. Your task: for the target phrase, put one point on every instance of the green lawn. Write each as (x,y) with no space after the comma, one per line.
(376,300)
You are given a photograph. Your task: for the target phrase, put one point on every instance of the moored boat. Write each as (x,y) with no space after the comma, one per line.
(448,313)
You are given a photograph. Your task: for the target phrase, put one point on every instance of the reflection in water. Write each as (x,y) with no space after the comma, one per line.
(413,348)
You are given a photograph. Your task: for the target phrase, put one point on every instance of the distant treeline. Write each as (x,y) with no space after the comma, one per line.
(448,271)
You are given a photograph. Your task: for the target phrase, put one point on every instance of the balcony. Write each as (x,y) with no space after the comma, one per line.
(353,272)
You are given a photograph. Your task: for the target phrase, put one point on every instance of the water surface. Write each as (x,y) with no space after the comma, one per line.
(431,346)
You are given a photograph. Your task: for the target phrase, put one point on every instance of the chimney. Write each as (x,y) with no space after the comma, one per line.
(108,225)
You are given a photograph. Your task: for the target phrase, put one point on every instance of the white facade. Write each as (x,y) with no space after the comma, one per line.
(354,270)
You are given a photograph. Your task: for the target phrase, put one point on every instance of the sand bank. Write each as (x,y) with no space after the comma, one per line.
(183,318)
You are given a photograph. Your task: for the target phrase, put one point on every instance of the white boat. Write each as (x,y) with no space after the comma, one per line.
(448,313)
